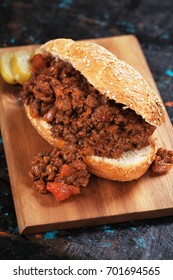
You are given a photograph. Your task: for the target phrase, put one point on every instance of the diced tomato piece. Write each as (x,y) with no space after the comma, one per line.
(37,62)
(61,190)
(66,171)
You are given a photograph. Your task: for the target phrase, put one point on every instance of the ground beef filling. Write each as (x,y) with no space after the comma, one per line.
(79,114)
(55,173)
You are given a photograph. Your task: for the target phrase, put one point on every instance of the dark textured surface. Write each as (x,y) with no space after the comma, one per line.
(29,22)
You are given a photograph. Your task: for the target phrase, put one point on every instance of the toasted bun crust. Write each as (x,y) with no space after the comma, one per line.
(131,165)
(110,76)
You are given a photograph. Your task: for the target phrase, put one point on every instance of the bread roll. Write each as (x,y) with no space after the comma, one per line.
(119,82)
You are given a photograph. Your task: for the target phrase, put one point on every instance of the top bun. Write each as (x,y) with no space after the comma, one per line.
(110,76)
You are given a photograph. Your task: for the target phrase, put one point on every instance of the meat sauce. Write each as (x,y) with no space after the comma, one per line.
(56,173)
(81,116)
(163,161)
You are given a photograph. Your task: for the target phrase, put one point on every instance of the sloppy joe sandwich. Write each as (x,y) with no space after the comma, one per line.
(96,110)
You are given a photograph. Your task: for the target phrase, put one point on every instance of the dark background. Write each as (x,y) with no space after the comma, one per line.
(30,22)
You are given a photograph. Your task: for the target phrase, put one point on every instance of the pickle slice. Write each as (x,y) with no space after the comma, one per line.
(20,66)
(5,68)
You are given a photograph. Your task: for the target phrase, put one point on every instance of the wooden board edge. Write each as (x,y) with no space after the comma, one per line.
(124,218)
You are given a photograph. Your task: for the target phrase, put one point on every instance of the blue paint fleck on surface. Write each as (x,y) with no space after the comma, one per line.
(134,228)
(140,242)
(15,230)
(12,40)
(130,29)
(107,16)
(108,229)
(165,36)
(103,23)
(69,237)
(169,73)
(50,234)
(126,25)
(31,38)
(107,244)
(80,15)
(153,238)
(121,22)
(65,4)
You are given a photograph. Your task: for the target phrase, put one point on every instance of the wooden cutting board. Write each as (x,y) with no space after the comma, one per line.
(102,201)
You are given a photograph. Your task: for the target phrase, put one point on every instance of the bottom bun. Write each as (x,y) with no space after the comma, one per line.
(131,165)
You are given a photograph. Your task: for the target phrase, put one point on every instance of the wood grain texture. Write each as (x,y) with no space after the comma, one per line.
(102,201)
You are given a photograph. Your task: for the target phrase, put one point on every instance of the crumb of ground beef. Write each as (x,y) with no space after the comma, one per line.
(163,161)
